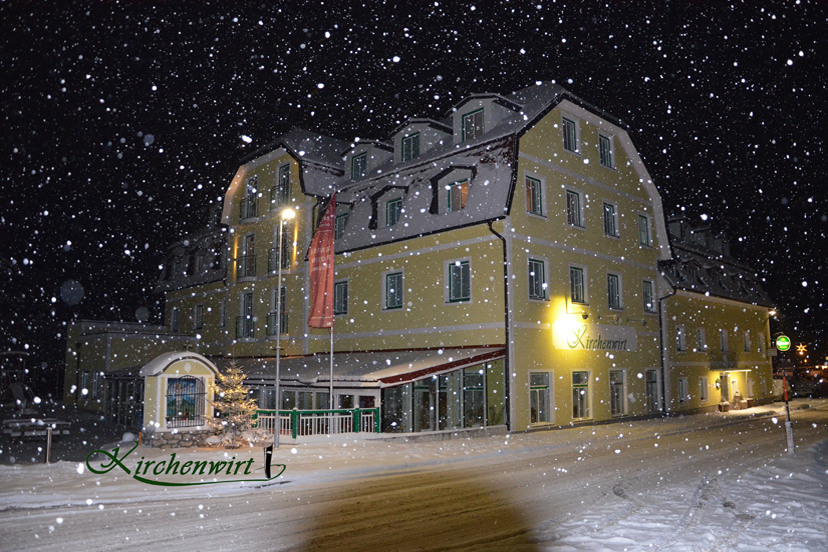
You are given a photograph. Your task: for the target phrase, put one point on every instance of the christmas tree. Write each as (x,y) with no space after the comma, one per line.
(233,405)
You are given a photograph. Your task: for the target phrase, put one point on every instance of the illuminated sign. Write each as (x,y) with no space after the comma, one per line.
(783,343)
(575,336)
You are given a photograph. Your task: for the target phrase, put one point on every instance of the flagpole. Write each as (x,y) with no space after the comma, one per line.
(331,395)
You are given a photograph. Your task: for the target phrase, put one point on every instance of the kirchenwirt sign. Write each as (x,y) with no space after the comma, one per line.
(593,337)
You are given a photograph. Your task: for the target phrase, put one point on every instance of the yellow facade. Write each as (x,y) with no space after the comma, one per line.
(715,369)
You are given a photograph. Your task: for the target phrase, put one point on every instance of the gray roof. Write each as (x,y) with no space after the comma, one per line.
(490,157)
(700,270)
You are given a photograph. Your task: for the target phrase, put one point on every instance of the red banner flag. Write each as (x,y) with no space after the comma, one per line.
(321,265)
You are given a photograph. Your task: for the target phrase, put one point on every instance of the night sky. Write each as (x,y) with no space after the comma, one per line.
(122,123)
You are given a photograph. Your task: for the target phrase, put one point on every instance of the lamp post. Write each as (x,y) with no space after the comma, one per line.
(286,214)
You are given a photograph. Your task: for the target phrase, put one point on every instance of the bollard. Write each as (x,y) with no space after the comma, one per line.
(48,443)
(789,433)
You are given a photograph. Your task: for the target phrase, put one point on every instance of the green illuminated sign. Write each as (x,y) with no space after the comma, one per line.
(783,343)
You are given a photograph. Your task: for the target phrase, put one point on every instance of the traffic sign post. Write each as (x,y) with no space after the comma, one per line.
(783,343)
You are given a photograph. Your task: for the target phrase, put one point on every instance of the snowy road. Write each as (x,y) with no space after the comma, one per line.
(705,482)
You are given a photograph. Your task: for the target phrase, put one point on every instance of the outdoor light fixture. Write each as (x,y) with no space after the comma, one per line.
(718,384)
(585,316)
(772,312)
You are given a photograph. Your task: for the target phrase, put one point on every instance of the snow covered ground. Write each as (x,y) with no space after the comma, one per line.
(705,482)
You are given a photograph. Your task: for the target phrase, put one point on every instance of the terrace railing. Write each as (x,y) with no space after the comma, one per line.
(302,423)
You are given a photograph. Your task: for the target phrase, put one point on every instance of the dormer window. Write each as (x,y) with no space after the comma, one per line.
(358,165)
(393,211)
(472,125)
(411,147)
(458,193)
(249,203)
(339,225)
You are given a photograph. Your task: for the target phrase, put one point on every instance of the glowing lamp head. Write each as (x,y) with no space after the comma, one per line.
(288,214)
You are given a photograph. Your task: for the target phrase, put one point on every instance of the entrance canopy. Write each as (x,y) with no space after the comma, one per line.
(369,369)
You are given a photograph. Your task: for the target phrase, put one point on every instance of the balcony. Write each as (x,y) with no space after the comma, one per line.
(273,259)
(273,326)
(248,209)
(246,266)
(244,327)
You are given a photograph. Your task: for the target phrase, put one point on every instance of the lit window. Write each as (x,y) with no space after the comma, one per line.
(534,196)
(458,193)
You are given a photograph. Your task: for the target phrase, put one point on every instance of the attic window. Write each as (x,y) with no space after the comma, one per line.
(473,125)
(458,193)
(339,225)
(358,165)
(410,147)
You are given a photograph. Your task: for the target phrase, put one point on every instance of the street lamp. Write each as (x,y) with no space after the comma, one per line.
(286,214)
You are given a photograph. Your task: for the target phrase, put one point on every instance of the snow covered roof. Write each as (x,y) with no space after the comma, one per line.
(162,362)
(365,369)
(710,269)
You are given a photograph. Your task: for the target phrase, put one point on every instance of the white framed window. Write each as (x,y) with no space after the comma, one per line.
(571,133)
(277,318)
(610,219)
(760,344)
(534,195)
(614,291)
(681,338)
(458,280)
(341,297)
(392,289)
(644,234)
(683,394)
(359,164)
(539,395)
(223,313)
(537,279)
(175,320)
(701,340)
(578,291)
(96,384)
(339,225)
(458,193)
(574,208)
(723,340)
(473,125)
(606,150)
(198,317)
(651,382)
(410,147)
(617,402)
(746,339)
(704,390)
(648,294)
(393,211)
(580,396)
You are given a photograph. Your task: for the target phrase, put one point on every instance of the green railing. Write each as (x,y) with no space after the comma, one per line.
(298,423)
